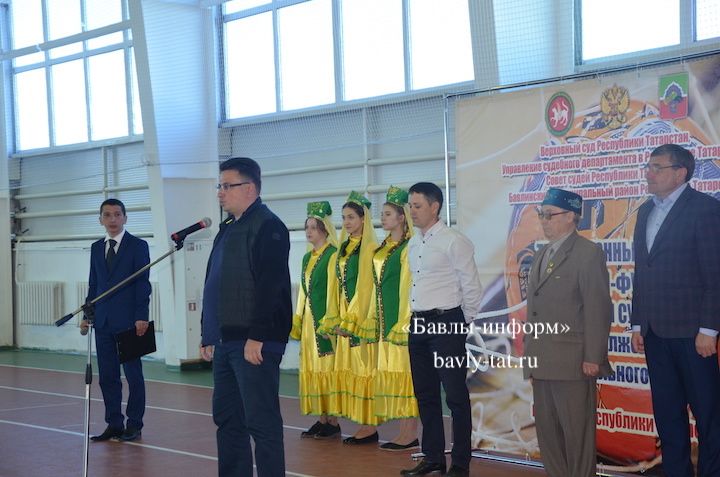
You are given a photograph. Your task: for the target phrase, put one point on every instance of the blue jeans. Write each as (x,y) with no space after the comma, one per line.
(246,404)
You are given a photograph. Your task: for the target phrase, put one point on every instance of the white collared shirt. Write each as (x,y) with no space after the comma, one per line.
(118,238)
(444,272)
(659,213)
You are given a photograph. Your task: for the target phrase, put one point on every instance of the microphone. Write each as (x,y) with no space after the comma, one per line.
(180,236)
(64,319)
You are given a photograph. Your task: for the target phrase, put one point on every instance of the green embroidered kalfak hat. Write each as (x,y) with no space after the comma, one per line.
(319,209)
(397,196)
(359,199)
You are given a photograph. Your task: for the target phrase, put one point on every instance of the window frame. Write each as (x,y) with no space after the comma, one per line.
(11,71)
(339,103)
(688,45)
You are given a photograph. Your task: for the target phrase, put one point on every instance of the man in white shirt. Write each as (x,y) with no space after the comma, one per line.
(445,296)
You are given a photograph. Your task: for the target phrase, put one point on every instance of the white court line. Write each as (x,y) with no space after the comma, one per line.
(48,393)
(35,368)
(42,428)
(157,408)
(147,446)
(82,434)
(202,386)
(27,408)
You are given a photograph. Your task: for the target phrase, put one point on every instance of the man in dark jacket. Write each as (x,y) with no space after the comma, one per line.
(676,309)
(112,259)
(247,316)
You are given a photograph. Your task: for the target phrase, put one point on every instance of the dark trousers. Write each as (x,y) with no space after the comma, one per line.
(680,376)
(111,386)
(426,351)
(246,404)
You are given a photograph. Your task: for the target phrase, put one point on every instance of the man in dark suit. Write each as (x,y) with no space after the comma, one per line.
(113,259)
(676,309)
(568,287)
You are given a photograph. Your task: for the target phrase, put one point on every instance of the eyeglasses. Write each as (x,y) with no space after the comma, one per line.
(655,168)
(549,215)
(226,187)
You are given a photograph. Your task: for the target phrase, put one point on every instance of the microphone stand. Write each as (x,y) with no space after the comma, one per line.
(88,308)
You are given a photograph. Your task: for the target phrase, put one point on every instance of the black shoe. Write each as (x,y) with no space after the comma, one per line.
(393,447)
(130,434)
(425,468)
(108,433)
(314,429)
(372,438)
(328,431)
(456,471)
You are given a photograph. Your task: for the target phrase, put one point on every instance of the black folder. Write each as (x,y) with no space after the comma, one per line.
(131,346)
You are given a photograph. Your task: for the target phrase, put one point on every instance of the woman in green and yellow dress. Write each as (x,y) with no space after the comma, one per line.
(388,321)
(348,304)
(317,377)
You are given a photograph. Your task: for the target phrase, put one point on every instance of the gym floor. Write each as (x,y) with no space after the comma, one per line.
(42,398)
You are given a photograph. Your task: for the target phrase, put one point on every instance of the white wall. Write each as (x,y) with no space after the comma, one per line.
(67,262)
(366,135)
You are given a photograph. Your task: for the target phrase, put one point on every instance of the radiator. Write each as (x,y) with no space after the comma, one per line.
(82,291)
(40,303)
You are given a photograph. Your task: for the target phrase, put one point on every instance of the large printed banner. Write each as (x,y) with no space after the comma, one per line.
(591,137)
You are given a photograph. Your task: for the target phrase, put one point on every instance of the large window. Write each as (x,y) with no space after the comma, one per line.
(441,47)
(372,48)
(306,55)
(619,27)
(250,71)
(284,55)
(72,71)
(707,14)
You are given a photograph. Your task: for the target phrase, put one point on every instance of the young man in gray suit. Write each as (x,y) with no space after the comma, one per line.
(568,287)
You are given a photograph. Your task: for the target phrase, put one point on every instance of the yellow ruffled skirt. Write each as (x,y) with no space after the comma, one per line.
(394,392)
(356,368)
(317,376)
